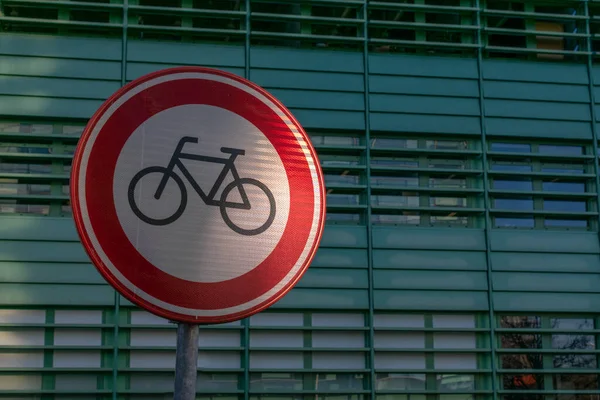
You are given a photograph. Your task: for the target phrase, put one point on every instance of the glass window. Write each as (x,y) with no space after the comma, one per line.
(447,144)
(514,204)
(447,164)
(573,169)
(565,223)
(343,178)
(520,322)
(23,148)
(572,323)
(394,162)
(74,130)
(449,220)
(9,127)
(343,199)
(332,140)
(24,168)
(501,184)
(503,222)
(522,361)
(407,200)
(575,381)
(511,147)
(565,205)
(511,167)
(451,182)
(561,150)
(334,161)
(400,181)
(443,201)
(342,217)
(406,218)
(569,187)
(383,143)
(392,381)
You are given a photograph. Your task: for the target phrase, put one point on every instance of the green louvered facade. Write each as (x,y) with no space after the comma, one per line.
(459,143)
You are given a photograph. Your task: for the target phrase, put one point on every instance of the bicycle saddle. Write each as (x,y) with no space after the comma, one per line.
(230,150)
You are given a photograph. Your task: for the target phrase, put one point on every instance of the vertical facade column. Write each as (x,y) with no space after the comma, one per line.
(486,199)
(246,322)
(368,220)
(590,73)
(117,309)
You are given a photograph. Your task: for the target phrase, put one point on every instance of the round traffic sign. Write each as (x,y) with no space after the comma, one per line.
(197,195)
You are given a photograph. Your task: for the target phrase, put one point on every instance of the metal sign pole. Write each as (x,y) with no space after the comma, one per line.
(186,363)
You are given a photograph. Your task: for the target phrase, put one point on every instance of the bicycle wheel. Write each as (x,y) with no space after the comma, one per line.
(134,206)
(224,208)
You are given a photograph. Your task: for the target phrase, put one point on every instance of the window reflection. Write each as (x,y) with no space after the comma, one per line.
(23,148)
(449,220)
(569,187)
(328,382)
(391,381)
(342,199)
(443,201)
(384,143)
(561,150)
(566,223)
(14,207)
(343,178)
(565,205)
(501,184)
(513,222)
(400,181)
(563,169)
(406,200)
(394,162)
(514,204)
(406,218)
(342,217)
(456,382)
(448,164)
(450,182)
(511,147)
(511,167)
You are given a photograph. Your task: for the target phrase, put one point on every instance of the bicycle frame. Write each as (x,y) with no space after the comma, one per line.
(228,166)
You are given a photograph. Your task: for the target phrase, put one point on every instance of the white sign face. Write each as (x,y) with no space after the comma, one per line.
(197,195)
(186,247)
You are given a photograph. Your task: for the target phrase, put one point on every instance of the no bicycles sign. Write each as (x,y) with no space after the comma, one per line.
(197,195)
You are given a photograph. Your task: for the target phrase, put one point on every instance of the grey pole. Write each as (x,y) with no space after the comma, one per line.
(186,363)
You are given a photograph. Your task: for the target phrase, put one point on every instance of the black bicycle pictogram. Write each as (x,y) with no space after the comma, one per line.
(209,199)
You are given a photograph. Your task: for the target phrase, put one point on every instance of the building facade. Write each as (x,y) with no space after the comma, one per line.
(458,138)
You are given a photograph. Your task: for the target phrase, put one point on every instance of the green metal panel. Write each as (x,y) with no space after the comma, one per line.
(324,299)
(42,251)
(429,280)
(439,239)
(47,295)
(340,258)
(429,259)
(546,262)
(306,60)
(334,278)
(45,272)
(308,80)
(546,302)
(424,300)
(550,242)
(344,236)
(546,282)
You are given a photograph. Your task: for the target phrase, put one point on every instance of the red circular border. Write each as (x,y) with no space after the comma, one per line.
(146,106)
